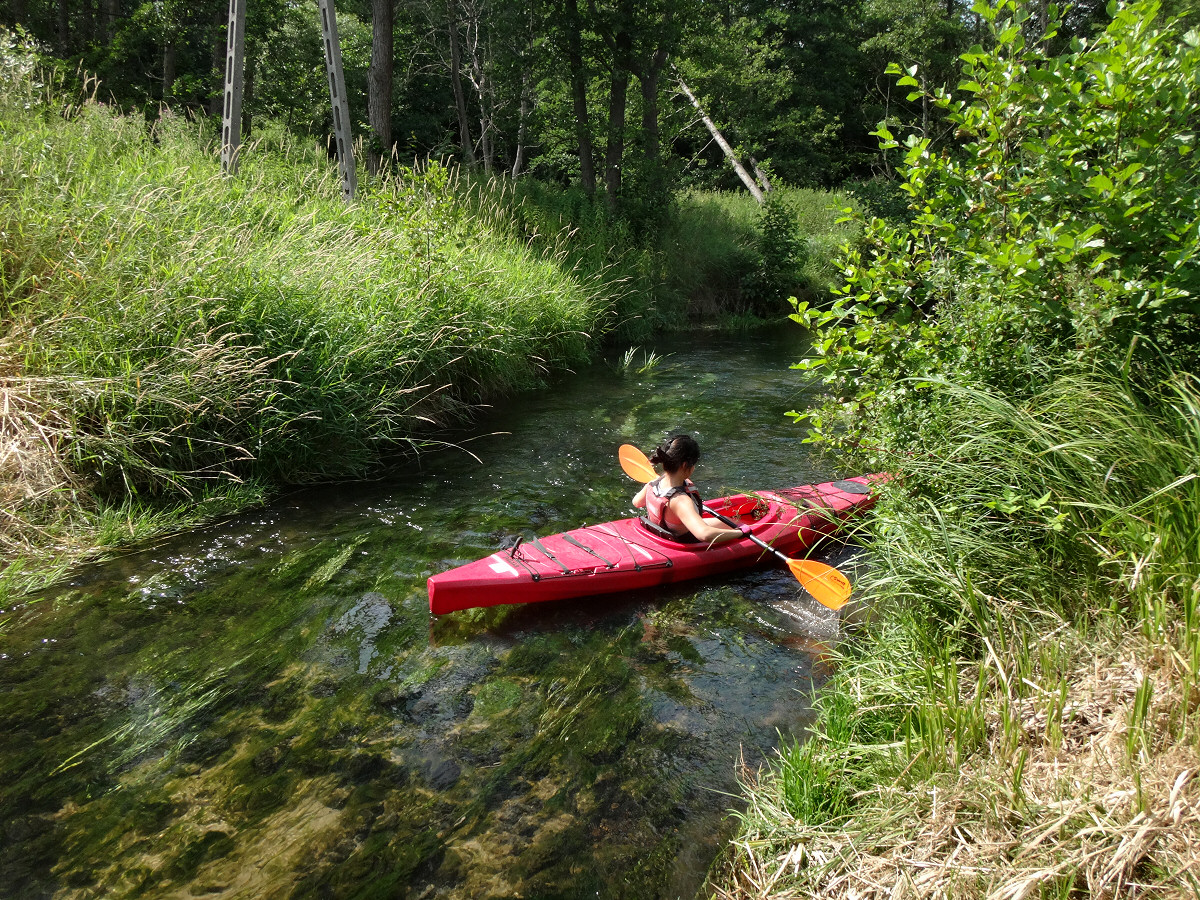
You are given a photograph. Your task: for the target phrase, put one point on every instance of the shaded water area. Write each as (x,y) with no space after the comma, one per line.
(264,708)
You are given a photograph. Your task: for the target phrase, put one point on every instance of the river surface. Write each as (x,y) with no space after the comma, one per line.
(264,708)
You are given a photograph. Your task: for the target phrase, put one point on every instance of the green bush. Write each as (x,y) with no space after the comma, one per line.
(782,254)
(1065,228)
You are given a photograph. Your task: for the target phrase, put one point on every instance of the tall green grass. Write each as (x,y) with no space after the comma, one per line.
(166,329)
(820,222)
(696,260)
(178,337)
(1030,667)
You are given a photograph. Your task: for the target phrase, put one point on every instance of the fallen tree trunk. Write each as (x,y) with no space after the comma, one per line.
(747,180)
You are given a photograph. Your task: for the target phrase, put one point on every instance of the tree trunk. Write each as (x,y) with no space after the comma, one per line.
(649,79)
(480,73)
(170,58)
(379,84)
(248,97)
(112,11)
(460,100)
(749,182)
(760,175)
(621,47)
(583,128)
(487,148)
(526,106)
(522,123)
(64,27)
(86,22)
(618,95)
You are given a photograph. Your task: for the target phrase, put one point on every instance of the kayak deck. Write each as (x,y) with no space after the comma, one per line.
(625,555)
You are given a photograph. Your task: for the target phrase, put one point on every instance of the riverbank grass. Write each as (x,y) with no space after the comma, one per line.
(1020,717)
(173,341)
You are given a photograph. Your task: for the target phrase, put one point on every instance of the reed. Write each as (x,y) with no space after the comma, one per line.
(171,335)
(1019,718)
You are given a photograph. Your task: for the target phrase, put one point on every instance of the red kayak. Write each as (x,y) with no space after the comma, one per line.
(626,555)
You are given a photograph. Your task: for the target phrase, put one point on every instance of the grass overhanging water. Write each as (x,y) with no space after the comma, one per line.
(1019,719)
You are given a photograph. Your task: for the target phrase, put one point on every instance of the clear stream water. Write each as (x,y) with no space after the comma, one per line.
(264,708)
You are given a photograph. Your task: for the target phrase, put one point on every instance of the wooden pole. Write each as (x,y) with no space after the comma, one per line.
(231,108)
(337,96)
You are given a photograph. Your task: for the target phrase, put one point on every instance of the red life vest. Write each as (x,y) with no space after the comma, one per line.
(658,511)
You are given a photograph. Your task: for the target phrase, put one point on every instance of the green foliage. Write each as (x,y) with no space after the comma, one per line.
(781,253)
(172,327)
(786,85)
(580,232)
(1057,524)
(881,198)
(1017,350)
(1066,228)
(727,253)
(795,86)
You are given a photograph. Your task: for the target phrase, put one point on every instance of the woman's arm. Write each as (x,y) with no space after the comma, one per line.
(703,529)
(639,499)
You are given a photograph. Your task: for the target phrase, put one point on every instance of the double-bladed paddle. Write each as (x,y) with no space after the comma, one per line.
(825,583)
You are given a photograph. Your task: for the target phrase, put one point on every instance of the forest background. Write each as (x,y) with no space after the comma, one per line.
(1008,321)
(571,92)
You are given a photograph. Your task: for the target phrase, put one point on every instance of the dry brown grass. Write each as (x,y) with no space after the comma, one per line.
(1063,801)
(37,490)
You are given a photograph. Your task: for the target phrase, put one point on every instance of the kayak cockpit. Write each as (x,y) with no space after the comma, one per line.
(740,509)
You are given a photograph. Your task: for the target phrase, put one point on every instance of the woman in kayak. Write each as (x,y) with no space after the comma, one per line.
(672,503)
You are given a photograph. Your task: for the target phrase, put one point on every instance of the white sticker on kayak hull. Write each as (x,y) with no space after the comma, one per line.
(501,567)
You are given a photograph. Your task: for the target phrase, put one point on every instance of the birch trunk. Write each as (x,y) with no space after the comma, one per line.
(751,184)
(522,125)
(760,176)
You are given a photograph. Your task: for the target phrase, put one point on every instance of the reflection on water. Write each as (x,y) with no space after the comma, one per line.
(264,708)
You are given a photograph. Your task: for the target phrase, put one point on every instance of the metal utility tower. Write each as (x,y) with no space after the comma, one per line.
(231,116)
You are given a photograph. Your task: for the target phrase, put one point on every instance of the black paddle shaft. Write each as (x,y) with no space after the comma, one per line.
(756,539)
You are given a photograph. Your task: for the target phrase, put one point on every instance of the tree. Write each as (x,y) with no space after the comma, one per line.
(926,34)
(1065,229)
(573,40)
(379,83)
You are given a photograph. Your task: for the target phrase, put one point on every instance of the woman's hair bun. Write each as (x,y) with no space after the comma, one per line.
(676,451)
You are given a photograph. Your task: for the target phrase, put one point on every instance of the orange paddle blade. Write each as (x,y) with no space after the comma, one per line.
(635,464)
(825,583)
